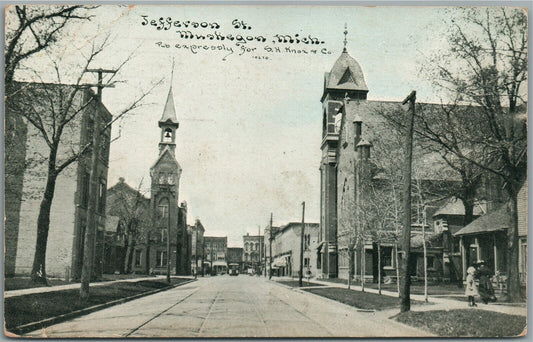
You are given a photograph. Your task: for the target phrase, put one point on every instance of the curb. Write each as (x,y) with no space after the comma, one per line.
(22,329)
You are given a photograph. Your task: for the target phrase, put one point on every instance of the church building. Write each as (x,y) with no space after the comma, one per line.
(165,176)
(352,132)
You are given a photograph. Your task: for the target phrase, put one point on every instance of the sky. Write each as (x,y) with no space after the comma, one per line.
(250,115)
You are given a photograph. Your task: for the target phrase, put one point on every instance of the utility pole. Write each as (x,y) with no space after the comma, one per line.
(270,234)
(259,243)
(168,238)
(196,252)
(405,281)
(203,257)
(90,230)
(302,246)
(264,253)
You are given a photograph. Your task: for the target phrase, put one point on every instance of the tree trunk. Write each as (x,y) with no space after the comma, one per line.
(129,254)
(468,198)
(379,268)
(363,267)
(513,279)
(38,273)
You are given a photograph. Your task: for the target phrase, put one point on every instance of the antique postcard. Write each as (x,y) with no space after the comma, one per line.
(193,171)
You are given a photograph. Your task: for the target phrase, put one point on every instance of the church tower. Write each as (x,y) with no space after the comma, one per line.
(345,80)
(165,174)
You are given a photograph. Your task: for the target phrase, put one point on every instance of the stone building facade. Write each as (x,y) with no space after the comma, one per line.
(253,252)
(25,179)
(286,247)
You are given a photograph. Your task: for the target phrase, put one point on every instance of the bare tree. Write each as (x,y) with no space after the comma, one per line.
(485,67)
(132,210)
(54,110)
(31,29)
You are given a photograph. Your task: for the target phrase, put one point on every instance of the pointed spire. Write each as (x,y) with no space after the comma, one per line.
(169,113)
(345,40)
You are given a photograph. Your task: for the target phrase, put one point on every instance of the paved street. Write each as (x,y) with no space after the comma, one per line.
(226,306)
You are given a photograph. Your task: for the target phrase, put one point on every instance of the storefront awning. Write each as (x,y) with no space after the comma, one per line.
(280,262)
(220,263)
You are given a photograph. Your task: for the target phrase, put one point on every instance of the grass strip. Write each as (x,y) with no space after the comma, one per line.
(358,299)
(20,310)
(465,323)
(295,283)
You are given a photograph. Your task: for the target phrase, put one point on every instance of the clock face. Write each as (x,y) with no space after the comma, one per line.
(166,178)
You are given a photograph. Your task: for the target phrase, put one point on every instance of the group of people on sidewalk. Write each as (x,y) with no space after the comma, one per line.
(479,274)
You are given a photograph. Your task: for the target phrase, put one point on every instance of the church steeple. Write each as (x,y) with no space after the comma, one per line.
(346,76)
(168,124)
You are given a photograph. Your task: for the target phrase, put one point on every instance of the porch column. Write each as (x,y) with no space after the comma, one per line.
(463,256)
(495,254)
(478,249)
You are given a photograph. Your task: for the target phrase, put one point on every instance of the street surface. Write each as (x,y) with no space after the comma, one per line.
(225,306)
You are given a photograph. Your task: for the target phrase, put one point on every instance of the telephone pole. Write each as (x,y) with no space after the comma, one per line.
(168,238)
(270,234)
(196,251)
(405,280)
(90,230)
(302,246)
(259,243)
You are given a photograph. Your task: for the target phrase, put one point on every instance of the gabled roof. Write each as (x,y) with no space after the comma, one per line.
(165,151)
(497,220)
(454,206)
(169,112)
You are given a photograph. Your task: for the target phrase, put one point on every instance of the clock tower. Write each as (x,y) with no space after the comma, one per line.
(165,174)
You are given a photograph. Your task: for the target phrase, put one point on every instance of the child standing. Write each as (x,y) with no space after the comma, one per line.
(471,288)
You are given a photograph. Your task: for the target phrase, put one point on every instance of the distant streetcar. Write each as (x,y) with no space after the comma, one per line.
(233,269)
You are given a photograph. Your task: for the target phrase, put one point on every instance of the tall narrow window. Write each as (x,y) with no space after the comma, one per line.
(101,196)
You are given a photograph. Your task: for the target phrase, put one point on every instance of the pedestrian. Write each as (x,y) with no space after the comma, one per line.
(471,287)
(486,291)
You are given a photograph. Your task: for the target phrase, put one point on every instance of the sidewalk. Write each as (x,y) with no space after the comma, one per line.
(435,303)
(44,289)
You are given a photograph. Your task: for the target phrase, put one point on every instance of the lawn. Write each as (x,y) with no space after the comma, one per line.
(358,299)
(465,323)
(18,283)
(296,283)
(19,310)
(416,287)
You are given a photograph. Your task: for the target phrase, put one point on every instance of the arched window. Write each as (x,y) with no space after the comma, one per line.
(167,137)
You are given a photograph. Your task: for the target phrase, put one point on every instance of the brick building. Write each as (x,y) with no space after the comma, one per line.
(357,142)
(26,158)
(128,220)
(197,252)
(216,252)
